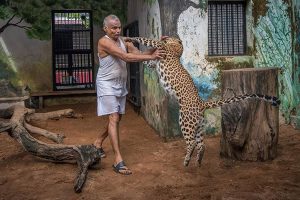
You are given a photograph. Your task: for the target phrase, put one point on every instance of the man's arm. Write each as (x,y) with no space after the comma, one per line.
(109,47)
(133,49)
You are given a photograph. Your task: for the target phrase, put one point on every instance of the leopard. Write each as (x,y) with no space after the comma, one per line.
(176,81)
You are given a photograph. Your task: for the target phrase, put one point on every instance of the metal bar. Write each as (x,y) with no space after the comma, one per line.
(72,49)
(244,28)
(53,54)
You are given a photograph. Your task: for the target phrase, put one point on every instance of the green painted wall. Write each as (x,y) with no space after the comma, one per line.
(275,46)
(273,40)
(296,42)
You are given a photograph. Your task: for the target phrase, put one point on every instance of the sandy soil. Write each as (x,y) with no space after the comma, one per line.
(158,172)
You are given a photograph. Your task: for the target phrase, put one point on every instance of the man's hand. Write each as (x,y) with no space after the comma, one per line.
(126,39)
(158,54)
(163,37)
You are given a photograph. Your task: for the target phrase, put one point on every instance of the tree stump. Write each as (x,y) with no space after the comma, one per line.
(249,127)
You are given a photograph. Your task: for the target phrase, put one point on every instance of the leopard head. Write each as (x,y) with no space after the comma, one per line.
(173,45)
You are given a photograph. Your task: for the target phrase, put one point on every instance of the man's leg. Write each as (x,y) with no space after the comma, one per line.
(99,141)
(113,132)
(103,107)
(102,136)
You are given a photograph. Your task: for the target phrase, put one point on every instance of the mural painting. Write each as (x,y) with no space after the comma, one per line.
(159,106)
(203,73)
(274,48)
(296,9)
(270,43)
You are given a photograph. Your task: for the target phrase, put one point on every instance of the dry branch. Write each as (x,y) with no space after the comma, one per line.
(85,155)
(52,115)
(56,137)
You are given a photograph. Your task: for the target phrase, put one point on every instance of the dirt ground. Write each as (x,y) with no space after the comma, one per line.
(158,171)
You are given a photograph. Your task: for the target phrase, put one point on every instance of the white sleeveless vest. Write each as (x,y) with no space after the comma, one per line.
(112,75)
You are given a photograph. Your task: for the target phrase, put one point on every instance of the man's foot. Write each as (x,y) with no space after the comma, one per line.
(121,168)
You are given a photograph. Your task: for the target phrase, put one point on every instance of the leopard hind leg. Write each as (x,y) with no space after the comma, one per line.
(200,141)
(188,133)
(190,146)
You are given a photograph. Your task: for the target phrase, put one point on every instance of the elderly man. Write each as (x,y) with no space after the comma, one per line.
(113,53)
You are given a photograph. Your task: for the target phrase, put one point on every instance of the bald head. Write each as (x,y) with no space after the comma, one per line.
(109,18)
(112,26)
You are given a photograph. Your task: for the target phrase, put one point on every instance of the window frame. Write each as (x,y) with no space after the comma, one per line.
(214,52)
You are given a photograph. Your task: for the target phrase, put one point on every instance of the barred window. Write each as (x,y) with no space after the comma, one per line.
(226,28)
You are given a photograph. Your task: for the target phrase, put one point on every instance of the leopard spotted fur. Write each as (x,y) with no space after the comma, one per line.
(176,80)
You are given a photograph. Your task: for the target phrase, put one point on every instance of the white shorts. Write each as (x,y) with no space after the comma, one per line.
(110,104)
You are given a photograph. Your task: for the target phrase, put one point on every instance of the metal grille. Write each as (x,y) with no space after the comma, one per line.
(72,46)
(226,28)
(134,95)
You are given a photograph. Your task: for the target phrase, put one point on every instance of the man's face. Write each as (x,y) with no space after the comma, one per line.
(113,29)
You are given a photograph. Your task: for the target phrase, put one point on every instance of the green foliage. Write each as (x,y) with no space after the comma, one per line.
(4,12)
(37,13)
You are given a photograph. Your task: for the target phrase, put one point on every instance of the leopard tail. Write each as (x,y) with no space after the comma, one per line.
(271,99)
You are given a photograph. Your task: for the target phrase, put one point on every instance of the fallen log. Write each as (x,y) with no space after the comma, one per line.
(84,155)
